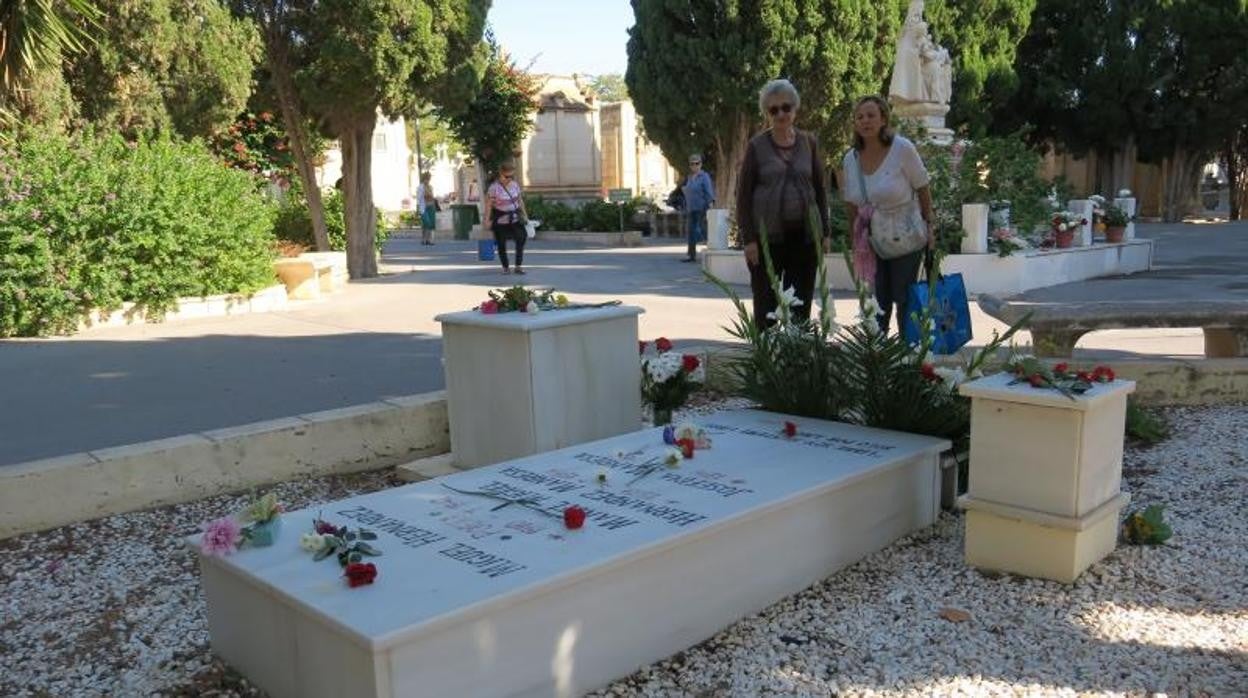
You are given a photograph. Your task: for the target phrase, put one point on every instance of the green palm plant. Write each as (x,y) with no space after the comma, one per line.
(38,33)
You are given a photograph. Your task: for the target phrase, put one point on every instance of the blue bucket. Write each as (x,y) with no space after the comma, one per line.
(485,250)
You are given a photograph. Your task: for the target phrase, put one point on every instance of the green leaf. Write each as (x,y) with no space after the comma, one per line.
(367,549)
(367,535)
(322,554)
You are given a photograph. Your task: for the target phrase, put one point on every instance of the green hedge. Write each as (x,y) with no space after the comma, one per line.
(593,216)
(295,225)
(93,221)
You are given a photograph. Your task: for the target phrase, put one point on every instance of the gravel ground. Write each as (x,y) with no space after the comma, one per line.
(113,606)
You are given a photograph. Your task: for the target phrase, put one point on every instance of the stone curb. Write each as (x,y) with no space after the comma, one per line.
(52,492)
(266,300)
(1159,381)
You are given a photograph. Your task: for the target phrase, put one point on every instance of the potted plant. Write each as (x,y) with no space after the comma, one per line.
(1064,224)
(1116,220)
(668,378)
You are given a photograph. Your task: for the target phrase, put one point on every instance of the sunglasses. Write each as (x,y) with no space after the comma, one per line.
(694,162)
(777,108)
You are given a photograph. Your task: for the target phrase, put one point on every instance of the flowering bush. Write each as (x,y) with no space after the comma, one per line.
(90,222)
(668,378)
(256,143)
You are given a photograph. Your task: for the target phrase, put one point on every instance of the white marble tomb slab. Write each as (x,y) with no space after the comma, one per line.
(473,600)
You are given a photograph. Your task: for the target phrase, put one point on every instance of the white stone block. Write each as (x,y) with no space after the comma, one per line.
(519,384)
(1039,450)
(476,600)
(717,229)
(1127,204)
(1083,208)
(1021,541)
(975,228)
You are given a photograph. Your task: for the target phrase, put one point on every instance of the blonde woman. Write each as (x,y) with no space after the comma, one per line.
(781,194)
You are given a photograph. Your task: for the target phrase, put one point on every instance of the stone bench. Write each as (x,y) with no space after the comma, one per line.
(312,273)
(1055,327)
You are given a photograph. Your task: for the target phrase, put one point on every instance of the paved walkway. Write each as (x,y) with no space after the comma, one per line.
(114,386)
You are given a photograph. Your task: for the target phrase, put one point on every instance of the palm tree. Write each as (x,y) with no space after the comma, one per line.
(37,33)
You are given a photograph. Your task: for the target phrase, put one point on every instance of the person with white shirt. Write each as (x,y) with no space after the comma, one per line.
(896,203)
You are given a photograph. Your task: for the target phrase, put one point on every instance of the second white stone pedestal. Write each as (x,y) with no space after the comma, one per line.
(1037,449)
(519,384)
(1045,476)
(717,229)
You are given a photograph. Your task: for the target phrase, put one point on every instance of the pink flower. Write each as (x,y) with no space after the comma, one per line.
(489,307)
(221,536)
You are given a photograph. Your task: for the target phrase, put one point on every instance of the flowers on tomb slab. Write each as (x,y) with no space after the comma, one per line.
(1004,242)
(573,517)
(349,546)
(256,525)
(1063,221)
(519,299)
(669,377)
(1061,377)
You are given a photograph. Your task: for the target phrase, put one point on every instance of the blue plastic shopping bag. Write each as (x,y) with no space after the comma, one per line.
(950,309)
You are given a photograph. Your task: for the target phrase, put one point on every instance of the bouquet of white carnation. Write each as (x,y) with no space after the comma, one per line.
(668,378)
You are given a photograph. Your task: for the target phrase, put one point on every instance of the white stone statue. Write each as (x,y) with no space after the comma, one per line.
(922,69)
(907,83)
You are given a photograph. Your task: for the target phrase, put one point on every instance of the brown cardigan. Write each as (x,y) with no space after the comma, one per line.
(762,181)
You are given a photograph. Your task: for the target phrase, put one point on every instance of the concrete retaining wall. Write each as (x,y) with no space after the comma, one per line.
(57,491)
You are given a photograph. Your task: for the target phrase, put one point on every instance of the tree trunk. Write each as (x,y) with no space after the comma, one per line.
(1234,172)
(356,140)
(729,152)
(293,119)
(1181,169)
(1115,169)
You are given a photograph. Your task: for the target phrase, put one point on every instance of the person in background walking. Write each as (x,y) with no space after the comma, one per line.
(505,215)
(699,195)
(782,195)
(427,206)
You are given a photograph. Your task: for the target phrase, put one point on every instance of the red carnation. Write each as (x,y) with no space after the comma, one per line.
(1061,368)
(1103,374)
(489,307)
(689,362)
(1036,380)
(790,429)
(574,517)
(663,344)
(360,573)
(686,447)
(1083,376)
(641,346)
(324,528)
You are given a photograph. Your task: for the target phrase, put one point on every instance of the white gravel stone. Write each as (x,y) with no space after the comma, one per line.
(113,607)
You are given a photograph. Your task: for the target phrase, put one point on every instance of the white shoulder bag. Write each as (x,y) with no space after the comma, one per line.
(897,231)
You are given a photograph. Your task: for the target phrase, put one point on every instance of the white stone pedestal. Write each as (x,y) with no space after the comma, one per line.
(717,229)
(476,600)
(1045,476)
(1084,208)
(519,384)
(975,228)
(1128,205)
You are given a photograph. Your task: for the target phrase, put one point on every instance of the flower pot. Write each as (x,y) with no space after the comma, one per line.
(263,534)
(1115,233)
(1065,238)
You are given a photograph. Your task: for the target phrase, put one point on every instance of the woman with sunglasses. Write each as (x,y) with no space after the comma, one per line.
(505,215)
(781,195)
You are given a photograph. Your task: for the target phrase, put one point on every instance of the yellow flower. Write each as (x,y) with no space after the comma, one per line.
(561,300)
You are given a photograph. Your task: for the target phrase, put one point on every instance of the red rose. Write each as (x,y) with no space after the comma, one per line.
(790,429)
(574,517)
(1036,380)
(324,528)
(1061,368)
(1103,374)
(663,344)
(686,447)
(641,346)
(929,372)
(689,362)
(360,573)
